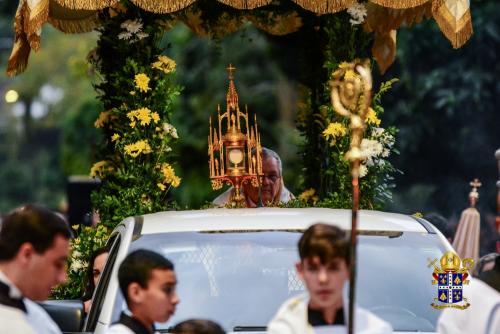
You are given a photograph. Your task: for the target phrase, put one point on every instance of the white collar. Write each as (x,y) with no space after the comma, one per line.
(14,291)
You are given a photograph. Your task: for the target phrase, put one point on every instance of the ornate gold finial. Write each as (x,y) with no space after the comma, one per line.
(232,95)
(230,70)
(351,97)
(474,194)
(234,156)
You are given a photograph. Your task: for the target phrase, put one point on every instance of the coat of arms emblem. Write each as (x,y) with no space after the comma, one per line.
(450,279)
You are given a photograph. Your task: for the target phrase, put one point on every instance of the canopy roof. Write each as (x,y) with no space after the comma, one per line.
(384,17)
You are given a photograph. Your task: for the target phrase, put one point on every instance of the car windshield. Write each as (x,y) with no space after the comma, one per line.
(240,278)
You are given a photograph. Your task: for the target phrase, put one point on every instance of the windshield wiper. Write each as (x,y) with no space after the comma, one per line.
(249,328)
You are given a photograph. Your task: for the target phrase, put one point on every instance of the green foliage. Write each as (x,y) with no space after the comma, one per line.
(137,92)
(89,239)
(327,138)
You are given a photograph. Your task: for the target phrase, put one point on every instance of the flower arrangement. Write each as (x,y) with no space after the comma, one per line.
(375,170)
(327,177)
(135,162)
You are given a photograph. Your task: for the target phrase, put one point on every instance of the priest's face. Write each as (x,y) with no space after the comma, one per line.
(271,182)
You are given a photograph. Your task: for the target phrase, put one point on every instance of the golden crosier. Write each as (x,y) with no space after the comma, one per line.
(351,97)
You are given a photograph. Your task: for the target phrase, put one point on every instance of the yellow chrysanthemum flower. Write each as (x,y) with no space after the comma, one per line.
(155,117)
(132,114)
(142,82)
(371,117)
(170,177)
(306,194)
(176,182)
(102,119)
(143,115)
(142,146)
(349,75)
(132,124)
(115,137)
(164,64)
(335,130)
(161,186)
(344,64)
(100,168)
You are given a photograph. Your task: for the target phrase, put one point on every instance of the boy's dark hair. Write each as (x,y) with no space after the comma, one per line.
(137,267)
(328,242)
(34,224)
(89,275)
(198,326)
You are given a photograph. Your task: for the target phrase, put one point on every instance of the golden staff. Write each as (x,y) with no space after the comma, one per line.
(351,97)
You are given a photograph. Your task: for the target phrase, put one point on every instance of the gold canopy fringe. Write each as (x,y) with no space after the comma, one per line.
(162,6)
(75,26)
(87,4)
(246,4)
(458,31)
(399,4)
(324,6)
(382,19)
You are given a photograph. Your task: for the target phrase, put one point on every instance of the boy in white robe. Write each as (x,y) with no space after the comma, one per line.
(147,281)
(324,269)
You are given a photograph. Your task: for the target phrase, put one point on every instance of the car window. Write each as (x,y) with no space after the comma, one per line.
(240,279)
(98,297)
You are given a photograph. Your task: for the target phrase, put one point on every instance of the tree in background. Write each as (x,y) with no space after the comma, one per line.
(446,107)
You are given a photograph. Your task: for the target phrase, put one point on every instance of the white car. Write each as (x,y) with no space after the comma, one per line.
(236,266)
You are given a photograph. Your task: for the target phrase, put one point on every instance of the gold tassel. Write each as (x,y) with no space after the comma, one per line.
(18,59)
(324,6)
(37,17)
(246,4)
(399,4)
(76,26)
(87,4)
(384,50)
(162,6)
(457,32)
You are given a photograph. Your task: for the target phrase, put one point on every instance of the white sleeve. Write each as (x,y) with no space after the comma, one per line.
(118,329)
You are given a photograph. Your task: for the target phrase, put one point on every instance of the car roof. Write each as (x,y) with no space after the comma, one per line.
(273,219)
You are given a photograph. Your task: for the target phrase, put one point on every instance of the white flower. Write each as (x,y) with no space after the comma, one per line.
(124,35)
(132,26)
(371,149)
(76,254)
(169,128)
(377,132)
(363,170)
(358,13)
(141,35)
(76,266)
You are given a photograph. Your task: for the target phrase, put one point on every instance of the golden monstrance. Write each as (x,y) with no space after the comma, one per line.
(235,155)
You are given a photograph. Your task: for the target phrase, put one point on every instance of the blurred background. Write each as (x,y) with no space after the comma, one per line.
(445,106)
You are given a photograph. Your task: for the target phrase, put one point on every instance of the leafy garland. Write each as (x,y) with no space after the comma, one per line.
(135,161)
